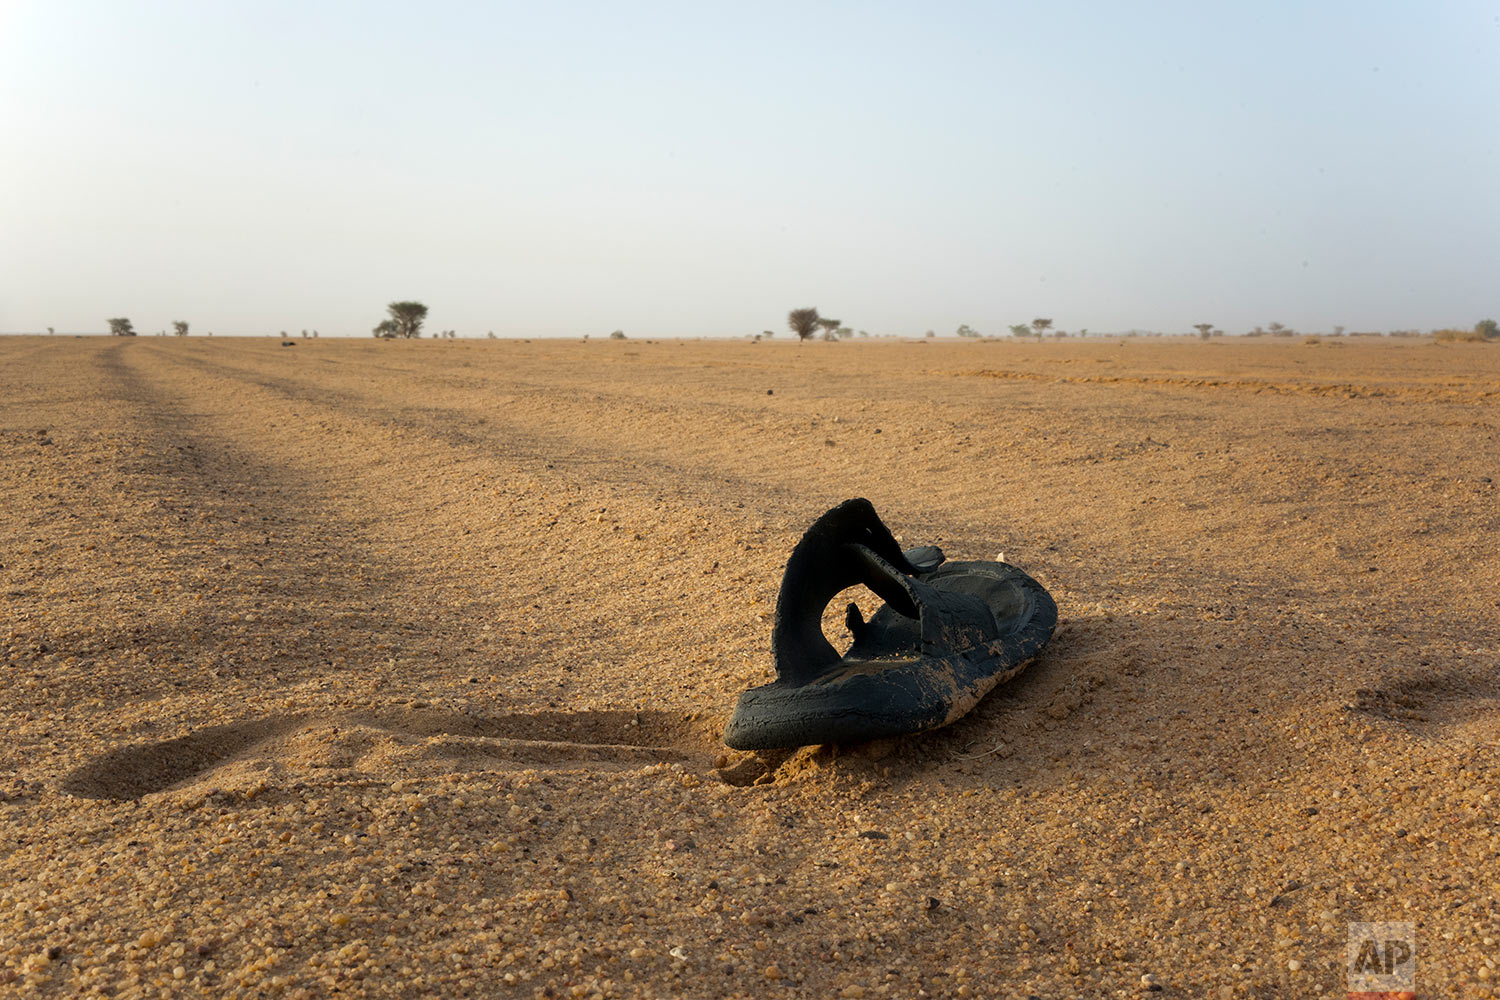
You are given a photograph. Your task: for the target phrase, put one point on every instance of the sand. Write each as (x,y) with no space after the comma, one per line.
(398,669)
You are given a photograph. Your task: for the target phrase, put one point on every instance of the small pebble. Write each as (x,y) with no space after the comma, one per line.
(1293,965)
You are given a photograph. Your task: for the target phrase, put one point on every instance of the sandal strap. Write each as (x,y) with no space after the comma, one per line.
(850,545)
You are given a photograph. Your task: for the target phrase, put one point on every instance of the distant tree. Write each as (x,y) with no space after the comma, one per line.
(1205,330)
(965,330)
(864,333)
(828,327)
(491,335)
(304,334)
(386,329)
(1277,330)
(1338,331)
(1486,328)
(121,327)
(408,317)
(617,335)
(1020,330)
(803,322)
(51,332)
(1040,325)
(930,334)
(768,333)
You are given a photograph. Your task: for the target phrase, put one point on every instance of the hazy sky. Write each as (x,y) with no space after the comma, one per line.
(700,168)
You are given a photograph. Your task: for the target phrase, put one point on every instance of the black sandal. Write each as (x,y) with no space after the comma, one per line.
(947,635)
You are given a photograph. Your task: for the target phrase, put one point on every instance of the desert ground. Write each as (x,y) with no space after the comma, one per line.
(399,668)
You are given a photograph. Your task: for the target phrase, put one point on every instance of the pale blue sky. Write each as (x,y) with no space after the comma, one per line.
(700,168)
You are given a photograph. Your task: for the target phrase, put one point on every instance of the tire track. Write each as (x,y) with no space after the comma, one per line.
(1453,392)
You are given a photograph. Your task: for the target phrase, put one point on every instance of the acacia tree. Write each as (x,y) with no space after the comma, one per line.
(1205,330)
(385,329)
(828,326)
(180,327)
(803,322)
(121,327)
(1040,325)
(407,318)
(1020,330)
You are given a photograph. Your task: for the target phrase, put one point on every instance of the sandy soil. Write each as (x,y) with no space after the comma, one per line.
(399,668)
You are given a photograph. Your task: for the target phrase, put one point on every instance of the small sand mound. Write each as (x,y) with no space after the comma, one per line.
(398,743)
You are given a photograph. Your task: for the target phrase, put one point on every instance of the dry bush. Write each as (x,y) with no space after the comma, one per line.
(1458,335)
(803,322)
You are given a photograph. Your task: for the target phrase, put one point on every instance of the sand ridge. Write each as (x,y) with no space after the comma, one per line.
(397,669)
